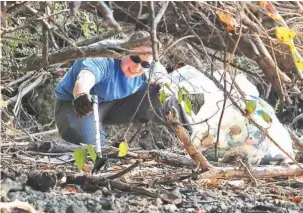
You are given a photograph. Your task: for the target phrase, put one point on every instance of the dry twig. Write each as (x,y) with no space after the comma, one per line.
(9,207)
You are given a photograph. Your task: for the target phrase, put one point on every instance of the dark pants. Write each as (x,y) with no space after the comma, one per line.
(81,130)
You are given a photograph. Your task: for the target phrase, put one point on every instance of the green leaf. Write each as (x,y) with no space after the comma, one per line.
(180,96)
(187,105)
(92,152)
(162,96)
(266,117)
(80,157)
(86,30)
(168,87)
(250,107)
(184,89)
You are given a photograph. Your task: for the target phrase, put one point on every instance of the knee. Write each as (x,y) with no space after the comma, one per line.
(67,132)
(77,135)
(72,136)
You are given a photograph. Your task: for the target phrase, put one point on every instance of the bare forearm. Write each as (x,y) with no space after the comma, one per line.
(85,81)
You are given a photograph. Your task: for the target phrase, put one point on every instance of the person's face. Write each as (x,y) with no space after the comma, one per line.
(135,65)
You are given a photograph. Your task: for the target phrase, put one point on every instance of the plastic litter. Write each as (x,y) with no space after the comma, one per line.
(235,128)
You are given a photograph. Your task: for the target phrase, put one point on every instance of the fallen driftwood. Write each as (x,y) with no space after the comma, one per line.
(201,161)
(62,147)
(98,181)
(165,157)
(45,146)
(53,146)
(49,132)
(161,156)
(48,179)
(257,172)
(173,159)
(73,53)
(128,169)
(9,207)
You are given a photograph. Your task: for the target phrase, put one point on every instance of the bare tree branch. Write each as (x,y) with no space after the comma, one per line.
(155,20)
(103,36)
(107,13)
(70,54)
(24,91)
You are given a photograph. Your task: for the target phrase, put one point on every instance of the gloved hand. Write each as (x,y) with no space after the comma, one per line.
(82,105)
(172,101)
(159,74)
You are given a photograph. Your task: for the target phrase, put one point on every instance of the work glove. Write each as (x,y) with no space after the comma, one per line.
(172,101)
(82,105)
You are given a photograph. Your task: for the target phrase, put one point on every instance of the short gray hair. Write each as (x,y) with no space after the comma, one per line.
(143,34)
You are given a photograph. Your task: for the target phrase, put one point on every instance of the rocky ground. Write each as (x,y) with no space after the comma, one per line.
(222,198)
(150,187)
(49,181)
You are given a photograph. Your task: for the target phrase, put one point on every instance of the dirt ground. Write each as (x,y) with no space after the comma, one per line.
(48,188)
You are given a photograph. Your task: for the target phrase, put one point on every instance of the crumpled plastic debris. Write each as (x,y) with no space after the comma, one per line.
(235,129)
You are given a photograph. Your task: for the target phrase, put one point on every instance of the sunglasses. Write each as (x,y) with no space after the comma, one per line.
(136,59)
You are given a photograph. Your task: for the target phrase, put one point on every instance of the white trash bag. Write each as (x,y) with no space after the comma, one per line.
(235,129)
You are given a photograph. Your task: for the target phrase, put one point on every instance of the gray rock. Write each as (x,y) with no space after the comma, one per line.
(75,209)
(190,210)
(170,207)
(158,202)
(292,211)
(223,206)
(153,209)
(240,203)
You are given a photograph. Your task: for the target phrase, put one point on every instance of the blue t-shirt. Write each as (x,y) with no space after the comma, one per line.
(111,83)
